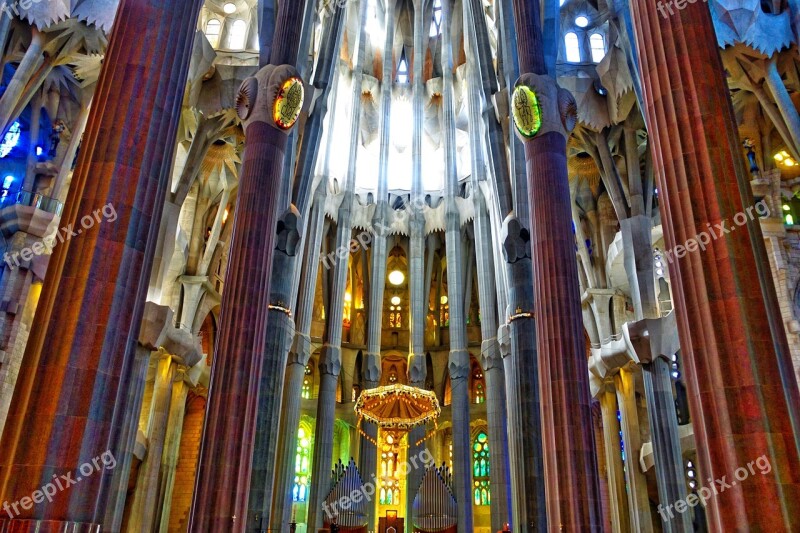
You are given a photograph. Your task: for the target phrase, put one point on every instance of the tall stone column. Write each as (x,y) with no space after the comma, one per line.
(458,364)
(638,501)
(724,296)
(331,356)
(268,104)
(570,465)
(299,355)
(185,378)
(419,284)
(614,468)
(99,279)
(145,498)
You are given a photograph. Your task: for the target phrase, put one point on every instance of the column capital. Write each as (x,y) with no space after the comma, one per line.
(458,364)
(652,338)
(183,345)
(155,322)
(372,368)
(300,352)
(417,369)
(516,240)
(540,94)
(491,356)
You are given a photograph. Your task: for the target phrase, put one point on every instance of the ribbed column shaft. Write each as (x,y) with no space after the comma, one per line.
(570,466)
(299,355)
(143,511)
(221,492)
(638,500)
(727,311)
(614,468)
(89,344)
(458,363)
(331,356)
(492,363)
(172,444)
(668,459)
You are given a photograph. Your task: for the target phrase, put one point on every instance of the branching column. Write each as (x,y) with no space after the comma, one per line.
(570,465)
(100,279)
(725,301)
(268,105)
(330,363)
(458,364)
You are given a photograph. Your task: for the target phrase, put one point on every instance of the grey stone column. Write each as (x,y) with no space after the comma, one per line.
(458,363)
(492,363)
(299,355)
(367,459)
(653,341)
(331,356)
(638,501)
(419,282)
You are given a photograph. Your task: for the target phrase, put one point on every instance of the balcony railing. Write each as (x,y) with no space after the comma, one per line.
(29,198)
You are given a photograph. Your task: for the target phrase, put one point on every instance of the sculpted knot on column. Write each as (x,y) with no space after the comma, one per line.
(516,240)
(182,344)
(287,235)
(300,351)
(155,322)
(651,338)
(490,354)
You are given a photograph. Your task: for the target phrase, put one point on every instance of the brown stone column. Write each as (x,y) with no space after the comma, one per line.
(225,467)
(741,389)
(572,489)
(70,399)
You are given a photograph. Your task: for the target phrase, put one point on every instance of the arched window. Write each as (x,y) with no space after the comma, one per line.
(238,35)
(402,68)
(213,29)
(436,23)
(480,469)
(572,47)
(598,45)
(302,466)
(308,382)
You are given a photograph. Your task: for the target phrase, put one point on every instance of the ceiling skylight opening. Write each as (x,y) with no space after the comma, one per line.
(436,23)
(374,29)
(581,21)
(229,8)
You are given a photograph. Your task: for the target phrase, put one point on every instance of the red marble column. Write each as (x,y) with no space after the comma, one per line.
(225,466)
(70,399)
(572,490)
(742,394)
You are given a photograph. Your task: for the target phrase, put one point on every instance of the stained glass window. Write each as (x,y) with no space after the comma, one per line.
(302,466)
(389,481)
(480,469)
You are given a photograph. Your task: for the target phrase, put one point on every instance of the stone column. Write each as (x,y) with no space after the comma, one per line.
(724,297)
(185,378)
(638,501)
(458,363)
(419,283)
(368,456)
(331,356)
(652,341)
(614,467)
(299,354)
(221,492)
(143,511)
(570,465)
(100,278)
